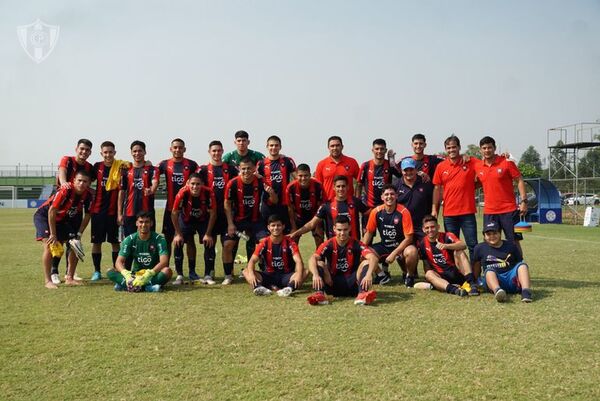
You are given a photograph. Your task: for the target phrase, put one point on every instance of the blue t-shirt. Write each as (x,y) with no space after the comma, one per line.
(498,259)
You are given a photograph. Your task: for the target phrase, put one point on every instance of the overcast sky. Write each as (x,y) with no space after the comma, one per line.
(304,70)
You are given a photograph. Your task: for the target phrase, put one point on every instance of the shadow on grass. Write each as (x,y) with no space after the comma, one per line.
(561,283)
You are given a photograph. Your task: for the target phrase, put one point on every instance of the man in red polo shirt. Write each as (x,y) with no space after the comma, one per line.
(456,178)
(334,165)
(497,174)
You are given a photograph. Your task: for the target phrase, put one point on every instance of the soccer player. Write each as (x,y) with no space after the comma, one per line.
(216,174)
(415,195)
(456,177)
(425,164)
(241,141)
(148,251)
(446,264)
(393,223)
(61,218)
(504,268)
(277,171)
(342,266)
(104,207)
(136,193)
(334,165)
(194,211)
(176,171)
(374,174)
(496,174)
(341,205)
(283,270)
(243,196)
(305,196)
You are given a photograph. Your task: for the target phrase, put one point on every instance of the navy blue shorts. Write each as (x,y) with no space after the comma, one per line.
(168,229)
(276,279)
(384,251)
(343,285)
(104,228)
(453,276)
(256,231)
(190,229)
(65,229)
(507,222)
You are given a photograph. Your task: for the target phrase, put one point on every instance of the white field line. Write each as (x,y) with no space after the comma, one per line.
(561,239)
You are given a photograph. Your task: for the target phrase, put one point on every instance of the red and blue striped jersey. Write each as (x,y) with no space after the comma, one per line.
(176,175)
(373,177)
(105,202)
(439,259)
(277,257)
(305,201)
(194,209)
(70,164)
(277,174)
(342,259)
(134,181)
(68,204)
(352,208)
(245,198)
(217,177)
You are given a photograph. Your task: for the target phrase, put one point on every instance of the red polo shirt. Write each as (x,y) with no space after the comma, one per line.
(328,169)
(497,182)
(458,181)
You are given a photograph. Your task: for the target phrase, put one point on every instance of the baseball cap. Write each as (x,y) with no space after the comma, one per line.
(408,163)
(491,226)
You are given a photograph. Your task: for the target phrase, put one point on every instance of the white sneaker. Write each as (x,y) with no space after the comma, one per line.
(228,280)
(260,290)
(178,280)
(55,278)
(209,280)
(285,292)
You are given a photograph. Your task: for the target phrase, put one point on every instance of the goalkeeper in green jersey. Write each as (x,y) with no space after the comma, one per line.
(143,259)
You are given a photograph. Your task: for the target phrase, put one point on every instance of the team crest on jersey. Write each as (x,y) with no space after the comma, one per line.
(425,164)
(499,171)
(396,220)
(152,248)
(464,168)
(347,168)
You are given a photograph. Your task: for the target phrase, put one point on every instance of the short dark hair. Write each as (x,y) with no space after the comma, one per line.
(379,141)
(452,138)
(428,218)
(85,142)
(340,178)
(106,144)
(137,143)
(84,174)
(341,219)
(195,175)
(144,214)
(274,138)
(215,143)
(274,218)
(303,167)
(247,160)
(241,134)
(388,186)
(418,136)
(178,140)
(487,140)
(334,138)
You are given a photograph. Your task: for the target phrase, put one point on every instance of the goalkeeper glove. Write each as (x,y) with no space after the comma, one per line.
(57,250)
(77,247)
(126,275)
(144,279)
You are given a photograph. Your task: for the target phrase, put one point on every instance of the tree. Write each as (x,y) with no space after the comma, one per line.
(531,157)
(558,160)
(473,151)
(589,165)
(529,171)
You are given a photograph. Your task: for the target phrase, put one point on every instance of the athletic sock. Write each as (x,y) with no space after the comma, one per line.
(178,252)
(470,279)
(55,264)
(228,267)
(451,289)
(161,278)
(115,255)
(192,265)
(385,267)
(381,274)
(97,259)
(209,260)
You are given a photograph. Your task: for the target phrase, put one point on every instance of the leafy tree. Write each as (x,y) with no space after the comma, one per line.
(473,151)
(589,164)
(529,171)
(532,158)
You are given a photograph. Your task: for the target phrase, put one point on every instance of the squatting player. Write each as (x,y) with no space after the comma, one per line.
(148,251)
(283,270)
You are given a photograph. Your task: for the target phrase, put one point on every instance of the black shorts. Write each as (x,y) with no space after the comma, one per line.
(167,225)
(190,229)
(277,279)
(220,227)
(507,222)
(104,229)
(453,276)
(256,231)
(65,229)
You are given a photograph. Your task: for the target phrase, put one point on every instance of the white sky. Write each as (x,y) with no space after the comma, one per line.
(305,70)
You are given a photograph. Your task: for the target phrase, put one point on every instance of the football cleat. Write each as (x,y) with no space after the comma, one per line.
(383,280)
(96,276)
(317,298)
(152,288)
(55,278)
(209,280)
(178,280)
(260,290)
(194,276)
(365,298)
(285,292)
(228,280)
(409,281)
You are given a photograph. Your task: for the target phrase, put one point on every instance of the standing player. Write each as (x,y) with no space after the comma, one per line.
(136,193)
(104,208)
(504,268)
(415,195)
(334,165)
(243,195)
(194,211)
(341,205)
(342,266)
(177,170)
(67,168)
(61,218)
(216,174)
(283,270)
(497,174)
(305,196)
(446,265)
(425,164)
(148,251)
(373,175)
(277,171)
(394,225)
(242,140)
(457,179)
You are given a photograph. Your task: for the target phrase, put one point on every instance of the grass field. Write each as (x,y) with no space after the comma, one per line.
(226,344)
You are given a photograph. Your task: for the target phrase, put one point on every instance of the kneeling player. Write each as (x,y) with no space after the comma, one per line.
(394,224)
(342,266)
(61,218)
(148,251)
(283,268)
(446,263)
(503,264)
(194,211)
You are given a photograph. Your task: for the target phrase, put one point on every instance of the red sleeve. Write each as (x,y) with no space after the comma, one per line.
(64,162)
(355,168)
(291,164)
(372,222)
(156,174)
(364,250)
(290,193)
(213,199)
(178,199)
(60,197)
(319,171)
(228,189)
(322,250)
(361,173)
(293,246)
(513,169)
(259,248)
(437,176)
(450,238)
(407,225)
